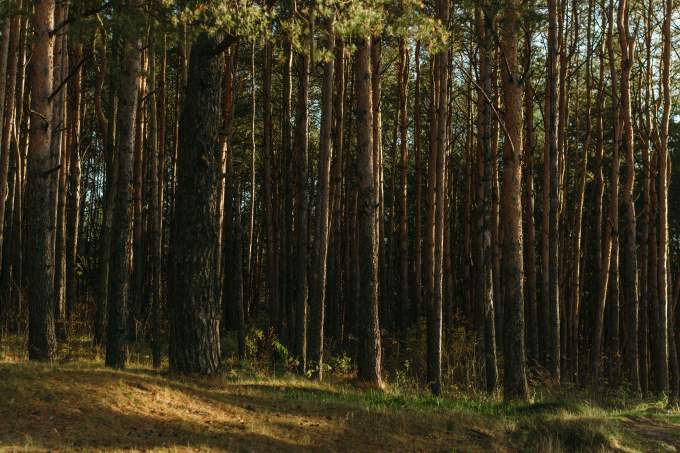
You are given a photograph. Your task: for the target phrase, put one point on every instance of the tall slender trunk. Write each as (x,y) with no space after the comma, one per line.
(320,247)
(404,295)
(612,318)
(270,193)
(417,205)
(515,381)
(155,236)
(609,266)
(551,266)
(663,327)
(602,246)
(300,157)
(250,299)
(369,362)
(8,110)
(336,277)
(73,213)
(486,155)
(101,316)
(121,223)
(58,176)
(645,126)
(573,348)
(629,236)
(42,343)
(531,308)
(139,185)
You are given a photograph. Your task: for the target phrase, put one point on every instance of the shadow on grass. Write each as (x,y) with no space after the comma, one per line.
(90,408)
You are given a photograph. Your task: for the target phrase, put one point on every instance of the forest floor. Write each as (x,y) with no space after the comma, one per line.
(77,404)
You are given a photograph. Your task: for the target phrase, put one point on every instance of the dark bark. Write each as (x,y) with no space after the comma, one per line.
(515,381)
(193,292)
(121,220)
(370,353)
(39,254)
(318,276)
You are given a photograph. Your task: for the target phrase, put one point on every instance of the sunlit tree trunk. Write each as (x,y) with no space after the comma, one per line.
(39,254)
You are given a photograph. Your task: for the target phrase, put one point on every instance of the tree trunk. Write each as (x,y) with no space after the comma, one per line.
(155,238)
(663,327)
(369,362)
(630,268)
(417,205)
(403,76)
(8,110)
(121,221)
(551,293)
(301,206)
(270,194)
(42,343)
(531,301)
(193,300)
(486,156)
(73,213)
(515,381)
(320,248)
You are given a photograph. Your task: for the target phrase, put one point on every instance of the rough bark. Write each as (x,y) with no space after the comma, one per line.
(515,381)
(193,292)
(121,218)
(39,255)
(369,362)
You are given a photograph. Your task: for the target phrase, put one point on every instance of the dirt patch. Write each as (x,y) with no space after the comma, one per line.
(664,434)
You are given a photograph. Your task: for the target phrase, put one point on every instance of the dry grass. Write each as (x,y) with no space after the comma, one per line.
(86,407)
(80,405)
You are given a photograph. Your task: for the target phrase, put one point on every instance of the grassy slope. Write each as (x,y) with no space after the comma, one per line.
(80,405)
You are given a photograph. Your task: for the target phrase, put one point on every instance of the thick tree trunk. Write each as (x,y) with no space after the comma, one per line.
(193,295)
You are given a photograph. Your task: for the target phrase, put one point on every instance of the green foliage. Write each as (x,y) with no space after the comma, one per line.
(266,353)
(341,365)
